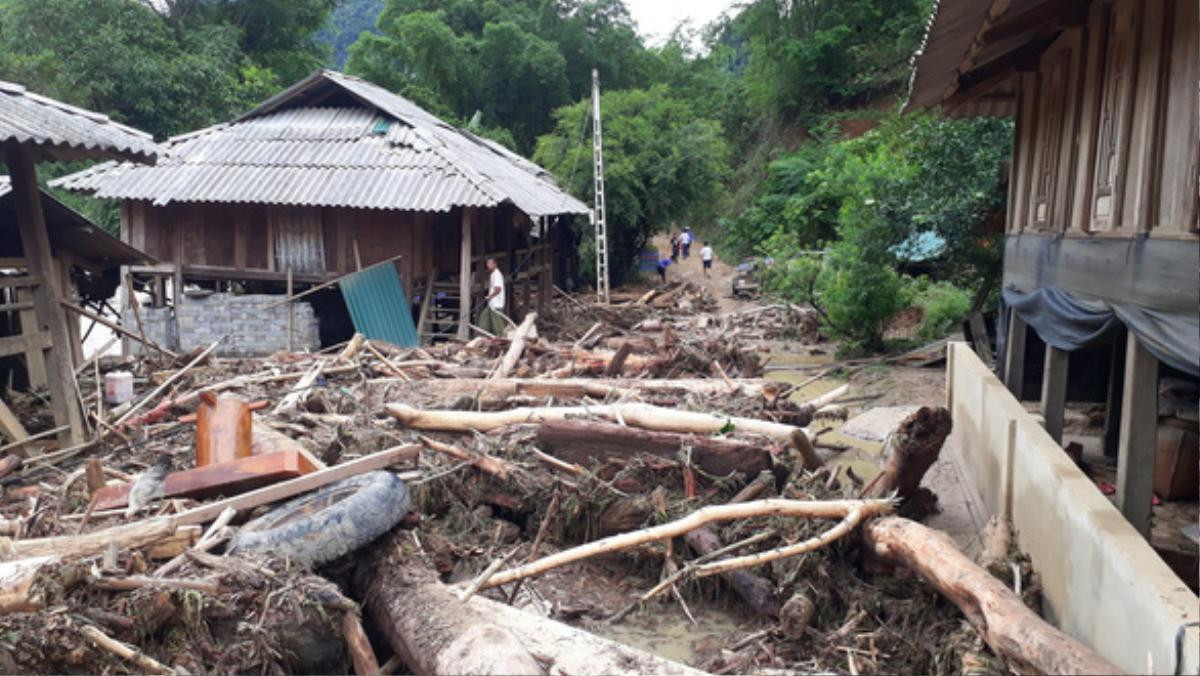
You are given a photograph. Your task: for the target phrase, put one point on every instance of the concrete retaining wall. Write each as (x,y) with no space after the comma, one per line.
(251,329)
(1103,584)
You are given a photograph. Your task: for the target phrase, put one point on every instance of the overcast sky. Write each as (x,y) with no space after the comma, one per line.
(657,18)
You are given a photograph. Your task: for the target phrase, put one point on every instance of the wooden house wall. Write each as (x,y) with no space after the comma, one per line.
(1107,136)
(256,241)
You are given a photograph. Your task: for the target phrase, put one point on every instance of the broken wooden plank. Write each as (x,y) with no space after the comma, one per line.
(303,484)
(232,477)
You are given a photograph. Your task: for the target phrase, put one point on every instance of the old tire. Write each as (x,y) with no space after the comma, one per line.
(328,523)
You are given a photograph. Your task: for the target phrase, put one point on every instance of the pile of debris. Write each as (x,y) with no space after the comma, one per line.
(236,515)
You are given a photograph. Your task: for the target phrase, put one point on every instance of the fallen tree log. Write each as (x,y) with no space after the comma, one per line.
(757,592)
(1005,623)
(581,442)
(435,633)
(516,347)
(1010,629)
(644,416)
(497,390)
(848,510)
(136,534)
(600,363)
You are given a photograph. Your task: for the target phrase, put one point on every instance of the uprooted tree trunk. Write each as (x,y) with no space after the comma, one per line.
(436,633)
(584,442)
(910,451)
(1010,629)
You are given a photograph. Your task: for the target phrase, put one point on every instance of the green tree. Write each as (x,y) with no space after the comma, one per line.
(349,20)
(662,166)
(524,79)
(512,62)
(914,175)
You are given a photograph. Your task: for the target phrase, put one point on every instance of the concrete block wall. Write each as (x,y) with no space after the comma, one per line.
(159,324)
(1102,583)
(251,328)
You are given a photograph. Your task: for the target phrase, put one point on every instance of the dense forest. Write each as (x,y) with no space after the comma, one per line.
(780,135)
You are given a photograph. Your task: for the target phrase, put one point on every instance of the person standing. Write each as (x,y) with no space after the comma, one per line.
(491,317)
(685,239)
(706,257)
(675,248)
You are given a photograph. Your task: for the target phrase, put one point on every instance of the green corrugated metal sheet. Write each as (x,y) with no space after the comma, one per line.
(378,306)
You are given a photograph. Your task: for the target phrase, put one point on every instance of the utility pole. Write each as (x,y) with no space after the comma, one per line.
(598,211)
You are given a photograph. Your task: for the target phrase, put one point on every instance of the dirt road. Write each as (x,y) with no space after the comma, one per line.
(719,282)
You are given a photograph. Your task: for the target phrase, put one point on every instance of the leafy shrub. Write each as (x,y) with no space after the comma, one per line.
(945,306)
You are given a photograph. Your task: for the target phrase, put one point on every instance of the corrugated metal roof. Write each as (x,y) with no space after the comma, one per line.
(64,132)
(378,306)
(68,229)
(388,154)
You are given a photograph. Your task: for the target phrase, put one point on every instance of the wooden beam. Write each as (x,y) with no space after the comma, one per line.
(118,328)
(464,275)
(1139,435)
(1014,358)
(263,496)
(291,309)
(1054,391)
(35,243)
(1043,17)
(10,425)
(20,281)
(27,343)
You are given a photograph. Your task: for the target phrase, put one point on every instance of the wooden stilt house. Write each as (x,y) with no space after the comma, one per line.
(1102,244)
(34,128)
(332,175)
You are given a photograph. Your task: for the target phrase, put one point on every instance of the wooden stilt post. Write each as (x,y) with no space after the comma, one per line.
(1054,391)
(464,276)
(1112,410)
(291,309)
(1014,364)
(36,245)
(544,276)
(1138,436)
(35,362)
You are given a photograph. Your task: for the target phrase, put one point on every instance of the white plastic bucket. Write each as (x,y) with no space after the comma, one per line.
(118,387)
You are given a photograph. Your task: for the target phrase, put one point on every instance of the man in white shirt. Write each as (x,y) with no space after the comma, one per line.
(685,239)
(706,256)
(491,317)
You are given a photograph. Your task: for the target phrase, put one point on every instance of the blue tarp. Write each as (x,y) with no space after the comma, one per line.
(1069,323)
(378,306)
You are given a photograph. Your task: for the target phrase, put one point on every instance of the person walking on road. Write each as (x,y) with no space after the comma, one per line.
(706,257)
(491,317)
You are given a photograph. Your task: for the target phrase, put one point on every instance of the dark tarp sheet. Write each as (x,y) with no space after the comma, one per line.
(1069,323)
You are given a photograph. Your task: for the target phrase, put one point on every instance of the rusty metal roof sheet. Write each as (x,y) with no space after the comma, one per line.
(63,132)
(387,153)
(68,229)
